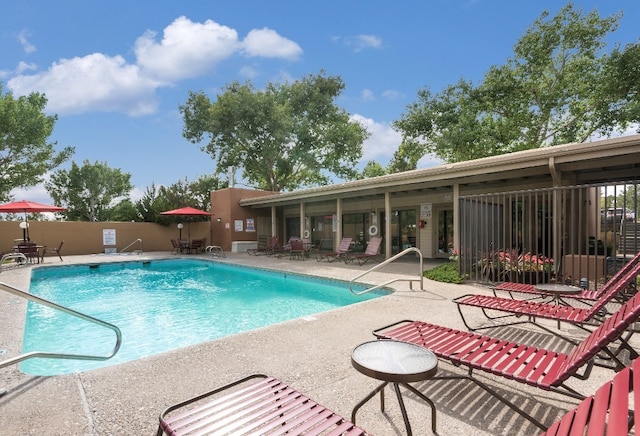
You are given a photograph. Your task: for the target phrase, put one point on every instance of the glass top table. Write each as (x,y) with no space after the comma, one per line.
(398,363)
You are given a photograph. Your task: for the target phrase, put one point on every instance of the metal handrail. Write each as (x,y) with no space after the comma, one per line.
(25,356)
(386,262)
(137,240)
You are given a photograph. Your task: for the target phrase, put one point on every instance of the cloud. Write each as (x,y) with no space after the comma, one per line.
(24,42)
(90,83)
(187,49)
(382,143)
(97,82)
(361,42)
(367,95)
(392,95)
(267,43)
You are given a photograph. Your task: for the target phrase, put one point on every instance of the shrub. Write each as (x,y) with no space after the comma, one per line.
(446,272)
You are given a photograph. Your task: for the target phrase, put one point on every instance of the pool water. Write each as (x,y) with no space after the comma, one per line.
(163,305)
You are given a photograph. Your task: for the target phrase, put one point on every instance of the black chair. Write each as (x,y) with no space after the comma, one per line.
(30,251)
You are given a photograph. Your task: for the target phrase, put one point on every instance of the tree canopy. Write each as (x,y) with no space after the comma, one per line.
(90,191)
(559,87)
(25,154)
(283,137)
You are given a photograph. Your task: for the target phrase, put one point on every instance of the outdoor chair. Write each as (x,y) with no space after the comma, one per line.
(52,251)
(257,404)
(340,253)
(612,410)
(269,246)
(370,253)
(285,249)
(297,250)
(558,312)
(539,367)
(175,246)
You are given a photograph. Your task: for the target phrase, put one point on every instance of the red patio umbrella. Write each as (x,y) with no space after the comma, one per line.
(186,211)
(24,206)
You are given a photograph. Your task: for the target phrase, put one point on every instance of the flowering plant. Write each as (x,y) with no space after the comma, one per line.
(524,262)
(454,256)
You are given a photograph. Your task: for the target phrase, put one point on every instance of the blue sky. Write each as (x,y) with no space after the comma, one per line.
(116,71)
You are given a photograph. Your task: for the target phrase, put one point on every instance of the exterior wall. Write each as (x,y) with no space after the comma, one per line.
(226,211)
(86,237)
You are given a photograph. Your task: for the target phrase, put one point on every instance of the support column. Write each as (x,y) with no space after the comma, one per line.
(338,224)
(456,217)
(303,221)
(274,227)
(387,225)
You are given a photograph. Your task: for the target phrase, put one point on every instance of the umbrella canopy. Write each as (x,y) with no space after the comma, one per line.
(185,211)
(25,207)
(188,211)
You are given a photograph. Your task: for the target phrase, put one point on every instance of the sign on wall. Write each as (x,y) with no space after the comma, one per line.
(238,225)
(108,236)
(251,227)
(425,210)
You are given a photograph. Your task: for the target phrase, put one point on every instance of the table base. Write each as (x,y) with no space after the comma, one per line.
(400,401)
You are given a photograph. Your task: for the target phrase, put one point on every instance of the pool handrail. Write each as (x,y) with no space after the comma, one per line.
(43,354)
(139,251)
(388,282)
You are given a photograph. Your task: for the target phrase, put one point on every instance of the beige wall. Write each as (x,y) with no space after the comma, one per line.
(86,238)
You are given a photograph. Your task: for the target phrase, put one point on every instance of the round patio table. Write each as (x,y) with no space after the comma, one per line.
(399,363)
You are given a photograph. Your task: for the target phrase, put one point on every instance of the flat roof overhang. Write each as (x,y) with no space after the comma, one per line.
(591,162)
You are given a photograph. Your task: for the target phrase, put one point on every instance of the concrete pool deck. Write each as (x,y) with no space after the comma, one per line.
(311,354)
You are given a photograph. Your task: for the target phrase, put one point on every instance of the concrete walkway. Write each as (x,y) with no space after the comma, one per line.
(310,354)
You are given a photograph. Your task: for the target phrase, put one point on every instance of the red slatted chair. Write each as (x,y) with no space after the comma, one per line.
(557,312)
(257,404)
(340,253)
(539,367)
(370,253)
(607,411)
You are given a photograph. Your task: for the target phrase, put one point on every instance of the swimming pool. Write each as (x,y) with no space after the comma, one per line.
(163,305)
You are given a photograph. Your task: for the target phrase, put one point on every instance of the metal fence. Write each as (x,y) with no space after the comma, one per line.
(578,235)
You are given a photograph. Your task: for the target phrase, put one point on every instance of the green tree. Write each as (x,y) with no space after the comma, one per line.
(196,194)
(283,137)
(25,154)
(372,169)
(559,87)
(90,191)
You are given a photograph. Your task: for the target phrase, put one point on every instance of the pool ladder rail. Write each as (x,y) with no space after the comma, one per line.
(67,310)
(388,282)
(138,251)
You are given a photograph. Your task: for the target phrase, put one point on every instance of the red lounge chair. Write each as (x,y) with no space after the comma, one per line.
(559,312)
(612,410)
(257,404)
(340,253)
(271,245)
(539,367)
(371,252)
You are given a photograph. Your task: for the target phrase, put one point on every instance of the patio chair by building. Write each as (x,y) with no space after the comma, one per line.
(538,367)
(297,250)
(370,253)
(257,404)
(52,251)
(340,253)
(270,245)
